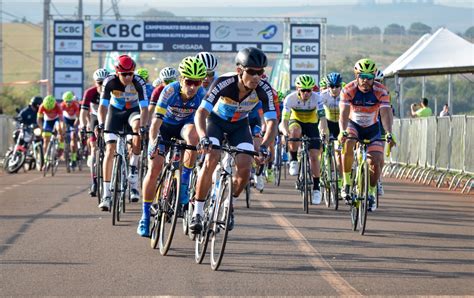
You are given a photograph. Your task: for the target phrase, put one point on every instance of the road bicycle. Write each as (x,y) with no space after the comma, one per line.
(329,175)
(51,159)
(217,210)
(165,207)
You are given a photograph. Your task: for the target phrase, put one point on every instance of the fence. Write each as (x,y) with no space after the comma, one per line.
(6,128)
(434,149)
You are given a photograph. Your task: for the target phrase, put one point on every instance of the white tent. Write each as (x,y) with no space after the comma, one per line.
(433,54)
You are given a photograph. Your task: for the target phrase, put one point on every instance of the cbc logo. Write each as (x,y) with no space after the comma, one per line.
(69,30)
(305,49)
(118,31)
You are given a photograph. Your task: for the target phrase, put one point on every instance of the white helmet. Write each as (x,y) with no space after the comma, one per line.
(100,74)
(209,60)
(379,75)
(168,73)
(157,82)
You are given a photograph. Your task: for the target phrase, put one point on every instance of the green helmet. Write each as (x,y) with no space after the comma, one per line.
(68,96)
(365,66)
(343,84)
(143,73)
(323,83)
(281,95)
(49,102)
(305,82)
(192,68)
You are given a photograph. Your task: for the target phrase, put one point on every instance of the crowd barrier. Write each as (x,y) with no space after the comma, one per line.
(437,150)
(7,125)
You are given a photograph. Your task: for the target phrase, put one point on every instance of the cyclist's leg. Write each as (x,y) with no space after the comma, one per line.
(311,131)
(242,139)
(60,129)
(256,132)
(295,132)
(374,159)
(134,124)
(48,127)
(334,132)
(348,159)
(189,134)
(91,158)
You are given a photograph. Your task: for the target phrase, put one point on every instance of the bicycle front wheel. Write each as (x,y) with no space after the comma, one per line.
(155,214)
(220,223)
(247,194)
(169,207)
(364,204)
(334,186)
(117,189)
(306,188)
(202,239)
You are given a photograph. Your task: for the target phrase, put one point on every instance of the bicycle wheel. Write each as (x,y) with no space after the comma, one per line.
(247,194)
(54,159)
(364,204)
(325,186)
(116,182)
(277,164)
(202,239)
(155,214)
(169,216)
(306,187)
(143,166)
(39,157)
(333,181)
(98,172)
(47,159)
(220,223)
(124,189)
(67,154)
(188,212)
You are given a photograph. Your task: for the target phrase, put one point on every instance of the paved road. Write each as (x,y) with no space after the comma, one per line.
(54,241)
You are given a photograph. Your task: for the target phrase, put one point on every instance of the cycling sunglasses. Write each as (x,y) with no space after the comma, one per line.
(190,83)
(253,72)
(211,74)
(334,86)
(367,76)
(126,74)
(306,90)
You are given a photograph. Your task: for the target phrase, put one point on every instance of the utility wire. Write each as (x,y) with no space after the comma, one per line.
(21,52)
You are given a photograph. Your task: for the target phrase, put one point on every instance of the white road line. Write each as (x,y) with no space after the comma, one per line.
(337,282)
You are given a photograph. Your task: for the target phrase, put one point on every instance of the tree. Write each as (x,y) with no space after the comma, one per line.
(418,28)
(469,32)
(152,12)
(371,30)
(394,29)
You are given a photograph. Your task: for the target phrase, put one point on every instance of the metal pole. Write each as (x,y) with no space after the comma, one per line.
(79,10)
(1,46)
(101,15)
(423,80)
(402,109)
(45,67)
(450,92)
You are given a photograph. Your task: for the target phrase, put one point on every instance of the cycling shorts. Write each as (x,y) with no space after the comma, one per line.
(310,130)
(69,122)
(238,133)
(333,129)
(367,133)
(170,131)
(48,126)
(93,122)
(120,121)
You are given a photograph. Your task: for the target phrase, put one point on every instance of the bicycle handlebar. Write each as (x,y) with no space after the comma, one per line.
(368,142)
(121,133)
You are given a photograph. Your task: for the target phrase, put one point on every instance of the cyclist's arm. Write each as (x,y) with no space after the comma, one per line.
(155,128)
(39,117)
(200,121)
(269,132)
(84,118)
(140,86)
(286,113)
(386,116)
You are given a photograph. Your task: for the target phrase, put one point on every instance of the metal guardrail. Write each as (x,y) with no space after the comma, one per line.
(7,125)
(434,149)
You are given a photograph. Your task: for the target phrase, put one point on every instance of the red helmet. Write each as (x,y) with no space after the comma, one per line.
(124,64)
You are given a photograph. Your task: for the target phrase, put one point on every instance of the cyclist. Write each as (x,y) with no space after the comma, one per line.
(27,115)
(331,98)
(88,119)
(52,114)
(211,64)
(167,76)
(174,118)
(361,102)
(128,108)
(225,111)
(156,83)
(144,74)
(255,122)
(323,84)
(303,112)
(71,109)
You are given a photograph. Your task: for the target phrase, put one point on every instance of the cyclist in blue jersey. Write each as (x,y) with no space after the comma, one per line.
(225,111)
(123,105)
(174,118)
(211,64)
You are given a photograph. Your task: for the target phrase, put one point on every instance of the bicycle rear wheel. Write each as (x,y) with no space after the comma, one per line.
(117,189)
(364,204)
(220,222)
(169,207)
(325,181)
(306,187)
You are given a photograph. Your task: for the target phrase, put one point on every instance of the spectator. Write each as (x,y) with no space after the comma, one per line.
(423,111)
(445,111)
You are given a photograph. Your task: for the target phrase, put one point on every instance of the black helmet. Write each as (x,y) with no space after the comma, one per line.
(251,57)
(36,101)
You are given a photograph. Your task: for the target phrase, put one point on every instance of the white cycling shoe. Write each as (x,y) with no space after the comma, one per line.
(293,168)
(316,200)
(259,183)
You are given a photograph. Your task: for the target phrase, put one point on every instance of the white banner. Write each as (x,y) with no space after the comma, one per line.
(117,31)
(305,64)
(68,29)
(261,32)
(68,45)
(305,48)
(68,61)
(68,77)
(304,32)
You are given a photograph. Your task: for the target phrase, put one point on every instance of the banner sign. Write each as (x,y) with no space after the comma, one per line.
(152,36)
(305,51)
(68,58)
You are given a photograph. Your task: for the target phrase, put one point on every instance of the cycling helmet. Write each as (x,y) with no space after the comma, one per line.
(343,84)
(251,57)
(334,78)
(36,101)
(157,82)
(143,73)
(323,83)
(49,102)
(365,66)
(68,96)
(192,68)
(124,64)
(100,74)
(305,82)
(168,74)
(209,60)
(379,75)
(281,95)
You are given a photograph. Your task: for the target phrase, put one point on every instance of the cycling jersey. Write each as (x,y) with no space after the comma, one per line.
(70,111)
(53,114)
(256,112)
(27,116)
(149,90)
(331,105)
(91,100)
(364,107)
(223,99)
(124,97)
(155,95)
(305,111)
(173,109)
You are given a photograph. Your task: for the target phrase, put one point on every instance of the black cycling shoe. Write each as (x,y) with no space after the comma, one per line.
(196,224)
(230,226)
(93,190)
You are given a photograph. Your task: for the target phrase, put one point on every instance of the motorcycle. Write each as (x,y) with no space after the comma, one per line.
(27,149)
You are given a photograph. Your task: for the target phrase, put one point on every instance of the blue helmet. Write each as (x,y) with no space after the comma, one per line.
(334,78)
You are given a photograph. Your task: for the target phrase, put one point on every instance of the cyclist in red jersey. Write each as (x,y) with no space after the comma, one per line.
(51,112)
(71,108)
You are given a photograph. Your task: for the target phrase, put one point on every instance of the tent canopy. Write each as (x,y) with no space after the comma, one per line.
(434,54)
